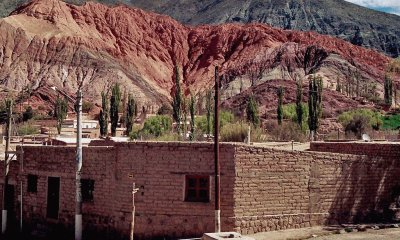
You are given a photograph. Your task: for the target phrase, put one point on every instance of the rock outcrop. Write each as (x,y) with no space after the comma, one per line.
(51,43)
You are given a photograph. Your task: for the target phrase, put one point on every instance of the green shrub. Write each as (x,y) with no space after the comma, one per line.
(27,129)
(225,117)
(289,113)
(288,131)
(153,127)
(372,118)
(237,132)
(391,122)
(87,106)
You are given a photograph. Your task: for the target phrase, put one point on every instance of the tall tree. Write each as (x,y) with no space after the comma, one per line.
(177,101)
(185,110)
(314,103)
(209,109)
(252,112)
(192,116)
(279,110)
(60,112)
(299,103)
(130,114)
(388,90)
(103,117)
(114,107)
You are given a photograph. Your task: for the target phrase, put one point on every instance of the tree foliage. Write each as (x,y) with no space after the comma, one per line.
(314,102)
(388,90)
(252,112)
(177,101)
(114,108)
(60,112)
(299,103)
(103,117)
(192,108)
(130,114)
(209,108)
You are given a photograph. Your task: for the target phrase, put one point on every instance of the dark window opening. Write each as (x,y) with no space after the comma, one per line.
(32,183)
(87,187)
(197,189)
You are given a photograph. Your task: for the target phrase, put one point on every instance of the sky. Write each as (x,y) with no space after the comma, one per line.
(390,6)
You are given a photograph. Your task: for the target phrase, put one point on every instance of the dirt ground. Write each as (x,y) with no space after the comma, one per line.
(320,233)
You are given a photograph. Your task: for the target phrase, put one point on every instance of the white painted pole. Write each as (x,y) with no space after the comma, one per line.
(9,104)
(78,209)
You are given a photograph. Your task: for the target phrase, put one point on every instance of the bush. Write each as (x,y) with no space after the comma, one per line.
(28,114)
(27,129)
(154,127)
(165,109)
(87,106)
(372,119)
(289,113)
(237,132)
(225,117)
(288,131)
(391,122)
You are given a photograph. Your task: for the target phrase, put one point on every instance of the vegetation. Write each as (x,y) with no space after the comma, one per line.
(87,106)
(391,122)
(208,111)
(202,122)
(237,132)
(165,109)
(288,131)
(280,103)
(27,129)
(314,103)
(252,112)
(154,127)
(114,108)
(299,104)
(27,114)
(359,121)
(130,114)
(290,113)
(177,101)
(103,117)
(388,90)
(60,112)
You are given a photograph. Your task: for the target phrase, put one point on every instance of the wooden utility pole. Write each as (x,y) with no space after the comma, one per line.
(78,208)
(9,104)
(134,190)
(216,155)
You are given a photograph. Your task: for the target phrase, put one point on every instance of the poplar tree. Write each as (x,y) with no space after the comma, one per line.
(114,107)
(192,116)
(177,101)
(314,104)
(60,112)
(299,101)
(388,90)
(252,112)
(103,117)
(130,114)
(279,110)
(208,110)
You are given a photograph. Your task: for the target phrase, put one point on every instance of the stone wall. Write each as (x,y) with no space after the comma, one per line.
(157,169)
(283,189)
(262,189)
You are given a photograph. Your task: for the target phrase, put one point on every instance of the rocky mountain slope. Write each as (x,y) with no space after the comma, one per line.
(50,43)
(356,24)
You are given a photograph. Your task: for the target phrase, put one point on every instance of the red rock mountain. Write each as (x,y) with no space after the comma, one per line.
(51,43)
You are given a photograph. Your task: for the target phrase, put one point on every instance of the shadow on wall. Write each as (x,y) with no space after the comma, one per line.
(368,191)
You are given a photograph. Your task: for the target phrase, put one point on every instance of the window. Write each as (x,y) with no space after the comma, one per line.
(87,187)
(197,189)
(32,183)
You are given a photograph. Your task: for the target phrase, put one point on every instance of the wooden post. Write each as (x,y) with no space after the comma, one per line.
(134,190)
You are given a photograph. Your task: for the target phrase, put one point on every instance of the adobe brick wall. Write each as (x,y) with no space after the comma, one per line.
(262,189)
(383,149)
(157,169)
(277,189)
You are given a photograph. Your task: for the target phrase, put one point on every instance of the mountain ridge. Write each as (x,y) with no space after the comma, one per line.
(358,25)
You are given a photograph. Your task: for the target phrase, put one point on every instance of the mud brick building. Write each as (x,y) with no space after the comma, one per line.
(262,189)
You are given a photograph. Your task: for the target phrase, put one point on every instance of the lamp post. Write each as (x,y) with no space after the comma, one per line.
(216,156)
(78,208)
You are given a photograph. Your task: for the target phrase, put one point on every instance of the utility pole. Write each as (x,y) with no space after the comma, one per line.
(216,156)
(78,209)
(9,104)
(134,190)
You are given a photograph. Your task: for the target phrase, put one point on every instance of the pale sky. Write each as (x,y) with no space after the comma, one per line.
(390,6)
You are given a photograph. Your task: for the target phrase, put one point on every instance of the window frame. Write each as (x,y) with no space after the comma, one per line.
(197,188)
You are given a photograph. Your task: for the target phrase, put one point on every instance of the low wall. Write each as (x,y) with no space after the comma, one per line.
(277,189)
(383,149)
